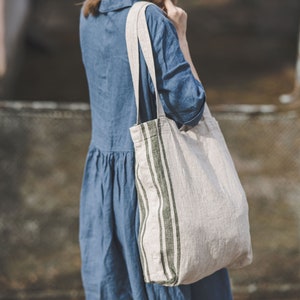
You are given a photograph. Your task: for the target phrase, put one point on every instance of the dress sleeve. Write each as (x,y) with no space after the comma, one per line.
(182,95)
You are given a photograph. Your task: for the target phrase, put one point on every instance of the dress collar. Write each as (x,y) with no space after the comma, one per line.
(111,5)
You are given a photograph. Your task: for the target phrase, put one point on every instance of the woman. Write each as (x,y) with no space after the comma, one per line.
(109,217)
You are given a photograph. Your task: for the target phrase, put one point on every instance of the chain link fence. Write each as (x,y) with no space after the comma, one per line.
(42,153)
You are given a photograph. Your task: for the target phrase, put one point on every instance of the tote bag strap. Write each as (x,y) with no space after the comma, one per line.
(134,20)
(137,31)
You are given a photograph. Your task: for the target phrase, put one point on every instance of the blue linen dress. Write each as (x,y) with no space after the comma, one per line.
(109,217)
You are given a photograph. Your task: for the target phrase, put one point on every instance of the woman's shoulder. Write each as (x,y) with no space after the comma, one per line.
(157,20)
(153,10)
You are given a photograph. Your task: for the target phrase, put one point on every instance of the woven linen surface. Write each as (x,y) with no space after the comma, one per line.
(193,209)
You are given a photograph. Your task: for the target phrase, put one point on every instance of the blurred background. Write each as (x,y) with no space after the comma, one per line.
(246,53)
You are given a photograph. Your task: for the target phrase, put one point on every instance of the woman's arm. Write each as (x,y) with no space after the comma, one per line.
(181,92)
(179,18)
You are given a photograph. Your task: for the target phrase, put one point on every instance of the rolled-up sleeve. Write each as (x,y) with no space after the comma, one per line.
(182,95)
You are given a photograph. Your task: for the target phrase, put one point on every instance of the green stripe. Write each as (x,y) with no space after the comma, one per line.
(168,177)
(158,192)
(144,217)
(161,176)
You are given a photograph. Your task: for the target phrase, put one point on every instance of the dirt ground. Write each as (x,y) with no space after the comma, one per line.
(244,51)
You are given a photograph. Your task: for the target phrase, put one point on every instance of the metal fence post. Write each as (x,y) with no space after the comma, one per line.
(295,95)
(2,41)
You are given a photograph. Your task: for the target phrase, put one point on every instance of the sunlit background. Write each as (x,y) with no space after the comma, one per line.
(246,55)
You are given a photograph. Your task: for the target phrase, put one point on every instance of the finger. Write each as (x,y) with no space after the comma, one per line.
(169,5)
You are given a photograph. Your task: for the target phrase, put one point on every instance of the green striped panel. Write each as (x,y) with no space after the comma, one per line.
(144,209)
(172,197)
(166,212)
(148,153)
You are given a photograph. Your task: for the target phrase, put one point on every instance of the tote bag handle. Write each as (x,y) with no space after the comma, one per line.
(134,31)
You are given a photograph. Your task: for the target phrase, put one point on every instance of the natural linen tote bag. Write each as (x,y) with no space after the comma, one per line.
(193,209)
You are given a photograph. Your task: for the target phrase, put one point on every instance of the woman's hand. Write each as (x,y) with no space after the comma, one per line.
(178,16)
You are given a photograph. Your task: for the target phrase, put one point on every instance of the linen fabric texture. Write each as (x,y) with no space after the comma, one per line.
(109,215)
(193,209)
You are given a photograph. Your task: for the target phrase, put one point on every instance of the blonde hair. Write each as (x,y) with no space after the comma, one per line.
(91,7)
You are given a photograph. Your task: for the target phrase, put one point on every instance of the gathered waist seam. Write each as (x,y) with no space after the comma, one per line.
(93,145)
